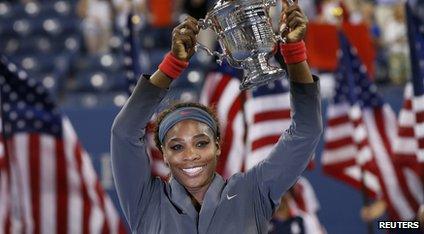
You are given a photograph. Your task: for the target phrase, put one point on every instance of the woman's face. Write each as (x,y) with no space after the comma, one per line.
(191,152)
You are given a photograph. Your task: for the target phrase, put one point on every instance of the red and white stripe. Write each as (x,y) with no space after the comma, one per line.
(304,197)
(4,191)
(4,203)
(363,139)
(221,91)
(267,117)
(418,107)
(311,222)
(382,130)
(54,188)
(407,148)
(302,202)
(345,152)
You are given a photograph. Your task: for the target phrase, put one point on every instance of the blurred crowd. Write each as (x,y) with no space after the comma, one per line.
(387,27)
(79,45)
(104,18)
(384,18)
(83,39)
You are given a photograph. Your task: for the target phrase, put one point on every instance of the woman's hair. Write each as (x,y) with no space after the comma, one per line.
(176,106)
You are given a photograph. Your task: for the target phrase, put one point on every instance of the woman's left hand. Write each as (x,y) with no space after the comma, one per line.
(293,23)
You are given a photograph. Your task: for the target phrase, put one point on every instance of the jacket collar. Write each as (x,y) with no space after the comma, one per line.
(210,202)
(181,198)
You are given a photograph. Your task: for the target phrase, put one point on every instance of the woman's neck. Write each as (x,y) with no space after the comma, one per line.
(197,205)
(198,194)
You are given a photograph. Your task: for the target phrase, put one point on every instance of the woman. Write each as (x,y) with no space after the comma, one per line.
(196,199)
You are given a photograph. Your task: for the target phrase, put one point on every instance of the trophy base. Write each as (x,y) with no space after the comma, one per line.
(251,80)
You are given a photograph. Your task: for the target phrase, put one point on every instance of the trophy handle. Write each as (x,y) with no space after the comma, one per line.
(210,52)
(204,23)
(221,56)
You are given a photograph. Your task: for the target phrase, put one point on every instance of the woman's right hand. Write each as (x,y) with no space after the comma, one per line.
(184,39)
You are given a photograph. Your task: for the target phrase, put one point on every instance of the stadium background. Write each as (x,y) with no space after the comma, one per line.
(46,38)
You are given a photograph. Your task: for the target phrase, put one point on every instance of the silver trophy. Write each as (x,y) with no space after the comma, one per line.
(246,38)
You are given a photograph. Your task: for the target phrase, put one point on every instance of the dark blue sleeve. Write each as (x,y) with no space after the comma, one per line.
(130,161)
(290,156)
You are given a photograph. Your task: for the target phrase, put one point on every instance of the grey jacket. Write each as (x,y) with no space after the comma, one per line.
(243,204)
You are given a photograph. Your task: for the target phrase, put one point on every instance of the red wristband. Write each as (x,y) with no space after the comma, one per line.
(294,52)
(172,66)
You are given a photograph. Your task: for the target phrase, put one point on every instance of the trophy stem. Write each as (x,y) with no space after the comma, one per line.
(257,72)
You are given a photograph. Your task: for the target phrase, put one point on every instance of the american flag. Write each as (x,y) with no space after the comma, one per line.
(410,145)
(132,72)
(221,91)
(48,184)
(406,146)
(267,115)
(346,149)
(362,130)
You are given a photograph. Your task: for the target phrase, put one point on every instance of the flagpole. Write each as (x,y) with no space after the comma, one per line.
(366,200)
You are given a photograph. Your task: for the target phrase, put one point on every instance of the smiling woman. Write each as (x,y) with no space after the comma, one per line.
(188,136)
(196,199)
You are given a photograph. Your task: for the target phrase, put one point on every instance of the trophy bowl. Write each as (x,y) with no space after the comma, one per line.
(246,38)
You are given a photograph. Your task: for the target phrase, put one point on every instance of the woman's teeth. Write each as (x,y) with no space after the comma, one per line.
(193,171)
